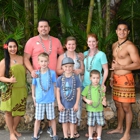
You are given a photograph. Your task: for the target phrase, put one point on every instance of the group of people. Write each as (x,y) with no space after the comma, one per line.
(69,78)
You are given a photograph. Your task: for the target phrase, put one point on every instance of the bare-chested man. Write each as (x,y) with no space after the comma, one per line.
(125,59)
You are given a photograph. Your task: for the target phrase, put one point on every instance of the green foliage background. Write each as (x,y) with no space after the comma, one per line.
(18,21)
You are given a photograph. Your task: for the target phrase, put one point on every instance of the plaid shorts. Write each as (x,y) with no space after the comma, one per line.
(40,110)
(68,116)
(95,118)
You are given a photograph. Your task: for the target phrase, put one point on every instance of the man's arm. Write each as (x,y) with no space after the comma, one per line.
(27,62)
(33,94)
(134,55)
(59,69)
(75,108)
(28,65)
(60,106)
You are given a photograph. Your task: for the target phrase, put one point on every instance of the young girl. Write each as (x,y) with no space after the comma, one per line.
(70,45)
(12,73)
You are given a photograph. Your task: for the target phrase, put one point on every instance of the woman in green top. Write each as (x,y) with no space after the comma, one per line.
(13,100)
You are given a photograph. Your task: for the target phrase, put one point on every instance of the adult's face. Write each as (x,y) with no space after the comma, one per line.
(122,31)
(12,48)
(92,42)
(43,28)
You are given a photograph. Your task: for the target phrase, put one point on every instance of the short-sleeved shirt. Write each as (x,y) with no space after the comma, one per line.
(40,95)
(68,90)
(95,96)
(33,47)
(99,60)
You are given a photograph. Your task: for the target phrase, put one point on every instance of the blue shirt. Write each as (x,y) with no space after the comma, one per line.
(99,60)
(42,96)
(68,90)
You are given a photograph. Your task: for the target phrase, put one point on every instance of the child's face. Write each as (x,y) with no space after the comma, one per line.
(68,68)
(95,79)
(43,62)
(71,45)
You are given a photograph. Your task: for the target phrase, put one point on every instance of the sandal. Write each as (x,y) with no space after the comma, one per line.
(94,135)
(76,135)
(68,135)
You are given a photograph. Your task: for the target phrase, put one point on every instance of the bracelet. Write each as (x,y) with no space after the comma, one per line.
(111,79)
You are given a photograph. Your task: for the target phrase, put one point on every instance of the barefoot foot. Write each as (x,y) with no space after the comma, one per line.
(115,131)
(17,134)
(125,137)
(13,137)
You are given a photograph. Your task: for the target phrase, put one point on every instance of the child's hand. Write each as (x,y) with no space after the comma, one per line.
(111,83)
(77,71)
(34,101)
(75,108)
(104,101)
(12,79)
(89,101)
(33,74)
(81,56)
(61,107)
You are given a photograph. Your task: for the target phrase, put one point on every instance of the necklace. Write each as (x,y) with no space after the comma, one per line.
(100,96)
(119,45)
(70,96)
(90,65)
(40,82)
(14,61)
(43,46)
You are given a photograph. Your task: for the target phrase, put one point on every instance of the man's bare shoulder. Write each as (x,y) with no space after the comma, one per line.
(129,44)
(114,45)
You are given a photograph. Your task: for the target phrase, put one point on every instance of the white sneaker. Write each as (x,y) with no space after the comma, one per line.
(49,131)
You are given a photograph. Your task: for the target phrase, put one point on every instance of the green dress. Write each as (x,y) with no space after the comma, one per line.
(14,100)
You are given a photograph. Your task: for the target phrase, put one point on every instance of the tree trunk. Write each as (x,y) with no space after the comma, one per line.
(107,18)
(132,21)
(35,17)
(90,13)
(61,15)
(27,13)
(100,18)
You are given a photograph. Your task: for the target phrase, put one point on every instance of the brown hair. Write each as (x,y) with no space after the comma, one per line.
(92,35)
(68,39)
(94,72)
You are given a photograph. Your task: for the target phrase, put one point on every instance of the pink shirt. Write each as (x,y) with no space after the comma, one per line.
(33,47)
